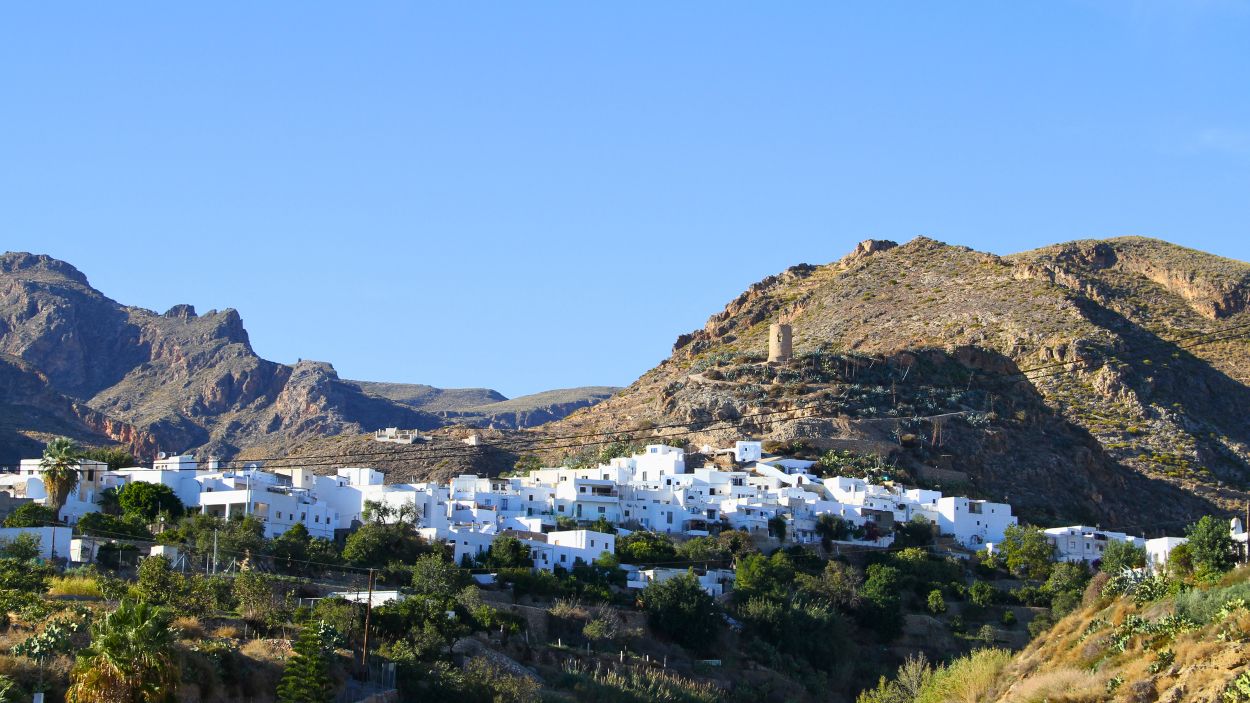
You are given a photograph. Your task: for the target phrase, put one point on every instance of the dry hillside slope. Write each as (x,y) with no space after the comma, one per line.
(915,352)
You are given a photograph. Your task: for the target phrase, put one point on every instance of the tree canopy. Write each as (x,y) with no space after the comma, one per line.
(1211,546)
(681,610)
(148,500)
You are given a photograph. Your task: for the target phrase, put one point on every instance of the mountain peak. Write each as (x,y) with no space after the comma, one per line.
(22,262)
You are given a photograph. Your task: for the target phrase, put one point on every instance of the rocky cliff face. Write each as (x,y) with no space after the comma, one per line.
(915,352)
(171,381)
(81,364)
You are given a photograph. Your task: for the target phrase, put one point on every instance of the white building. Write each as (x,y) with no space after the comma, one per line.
(54,542)
(1080,543)
(1159,550)
(715,582)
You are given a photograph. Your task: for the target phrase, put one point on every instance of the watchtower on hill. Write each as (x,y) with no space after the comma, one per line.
(780,346)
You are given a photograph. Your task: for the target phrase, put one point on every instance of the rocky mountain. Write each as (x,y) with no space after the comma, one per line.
(73,361)
(922,353)
(486,408)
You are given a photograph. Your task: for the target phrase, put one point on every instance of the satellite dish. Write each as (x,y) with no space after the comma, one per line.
(162,455)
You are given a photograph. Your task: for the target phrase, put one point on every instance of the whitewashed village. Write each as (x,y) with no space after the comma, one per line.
(562,567)
(553,511)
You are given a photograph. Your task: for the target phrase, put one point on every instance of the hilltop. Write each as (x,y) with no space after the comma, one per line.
(915,353)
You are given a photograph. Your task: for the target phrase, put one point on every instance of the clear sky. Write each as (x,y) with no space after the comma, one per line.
(536,195)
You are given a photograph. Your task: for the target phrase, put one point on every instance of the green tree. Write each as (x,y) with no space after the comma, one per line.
(23,575)
(130,659)
(115,457)
(917,532)
(24,547)
(837,585)
(147,500)
(108,501)
(1211,546)
(766,577)
(881,604)
(981,594)
(376,544)
(1026,552)
(60,471)
(290,549)
(31,515)
(936,603)
(681,610)
(254,593)
(1181,560)
(435,577)
(507,552)
(1118,556)
(1065,586)
(109,526)
(777,527)
(157,582)
(831,528)
(306,676)
(643,547)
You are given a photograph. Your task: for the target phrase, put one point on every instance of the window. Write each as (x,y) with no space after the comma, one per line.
(592,543)
(564,557)
(602,510)
(561,508)
(90,474)
(303,517)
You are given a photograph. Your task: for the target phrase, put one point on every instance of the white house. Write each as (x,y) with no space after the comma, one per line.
(1159,549)
(81,500)
(1080,543)
(714,581)
(973,522)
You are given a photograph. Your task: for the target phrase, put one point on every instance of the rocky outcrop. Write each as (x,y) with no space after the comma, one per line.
(865,249)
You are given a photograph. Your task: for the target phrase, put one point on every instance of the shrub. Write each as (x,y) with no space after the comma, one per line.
(681,610)
(981,594)
(936,603)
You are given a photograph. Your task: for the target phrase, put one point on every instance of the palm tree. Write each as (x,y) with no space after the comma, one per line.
(60,471)
(129,660)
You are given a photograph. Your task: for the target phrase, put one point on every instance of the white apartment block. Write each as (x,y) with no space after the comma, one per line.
(1080,543)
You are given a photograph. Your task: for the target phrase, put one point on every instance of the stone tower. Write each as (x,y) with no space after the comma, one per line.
(779,345)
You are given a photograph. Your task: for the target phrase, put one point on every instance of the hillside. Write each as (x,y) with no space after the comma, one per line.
(483,407)
(90,367)
(915,353)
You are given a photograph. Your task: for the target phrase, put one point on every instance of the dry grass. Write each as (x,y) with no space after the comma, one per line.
(229,632)
(969,679)
(77,586)
(266,650)
(1064,685)
(190,627)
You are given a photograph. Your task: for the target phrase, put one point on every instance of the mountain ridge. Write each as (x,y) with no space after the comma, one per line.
(171,381)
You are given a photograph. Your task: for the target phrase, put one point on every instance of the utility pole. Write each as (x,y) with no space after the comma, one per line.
(364,656)
(214,551)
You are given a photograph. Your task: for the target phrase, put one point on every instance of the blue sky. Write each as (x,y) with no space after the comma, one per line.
(536,195)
